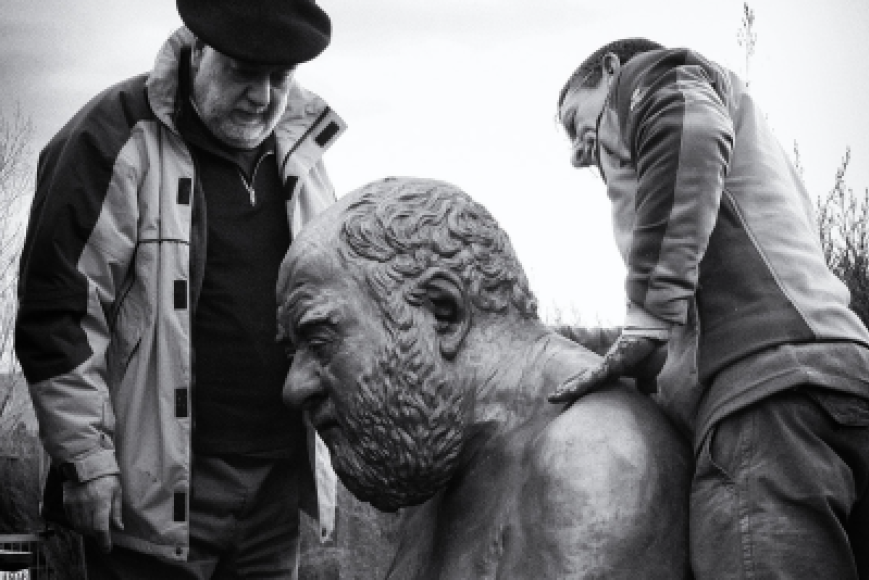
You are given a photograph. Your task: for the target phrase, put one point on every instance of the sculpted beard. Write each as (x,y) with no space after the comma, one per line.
(404,429)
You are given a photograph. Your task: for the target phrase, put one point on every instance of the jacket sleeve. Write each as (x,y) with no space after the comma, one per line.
(597,339)
(79,243)
(681,136)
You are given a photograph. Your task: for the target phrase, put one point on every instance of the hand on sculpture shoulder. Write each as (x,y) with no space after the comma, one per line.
(622,358)
(580,384)
(93,505)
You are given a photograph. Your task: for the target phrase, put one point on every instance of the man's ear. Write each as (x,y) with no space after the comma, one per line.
(610,66)
(442,293)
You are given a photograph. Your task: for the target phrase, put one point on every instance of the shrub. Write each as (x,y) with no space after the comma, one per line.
(843,224)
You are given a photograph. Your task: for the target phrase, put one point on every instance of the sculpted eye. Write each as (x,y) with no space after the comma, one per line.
(322,350)
(289,347)
(320,338)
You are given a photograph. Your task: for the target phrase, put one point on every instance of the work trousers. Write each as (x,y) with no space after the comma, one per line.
(244,523)
(780,491)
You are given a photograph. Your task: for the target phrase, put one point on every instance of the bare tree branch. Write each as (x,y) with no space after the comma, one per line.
(16,178)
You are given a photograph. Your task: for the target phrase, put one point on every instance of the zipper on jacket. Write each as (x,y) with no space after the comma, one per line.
(249,184)
(191,303)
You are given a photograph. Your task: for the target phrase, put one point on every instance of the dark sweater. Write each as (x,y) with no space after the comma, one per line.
(239,369)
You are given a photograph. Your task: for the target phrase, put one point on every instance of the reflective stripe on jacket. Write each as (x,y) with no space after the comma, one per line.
(112,261)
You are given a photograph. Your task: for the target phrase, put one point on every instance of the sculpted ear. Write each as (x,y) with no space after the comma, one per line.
(442,293)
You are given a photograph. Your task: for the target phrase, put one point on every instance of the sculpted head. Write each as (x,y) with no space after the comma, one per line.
(380,298)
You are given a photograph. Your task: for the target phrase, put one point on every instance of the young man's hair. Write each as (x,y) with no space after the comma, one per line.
(589,73)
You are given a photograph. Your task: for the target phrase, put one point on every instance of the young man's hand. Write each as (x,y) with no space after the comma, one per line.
(623,358)
(92,505)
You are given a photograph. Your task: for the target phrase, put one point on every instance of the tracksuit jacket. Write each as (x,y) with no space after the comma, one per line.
(110,274)
(720,241)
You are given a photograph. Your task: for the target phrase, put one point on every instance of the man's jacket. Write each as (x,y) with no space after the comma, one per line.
(110,274)
(720,241)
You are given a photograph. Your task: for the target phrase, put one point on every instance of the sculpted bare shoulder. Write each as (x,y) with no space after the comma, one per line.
(602,487)
(603,490)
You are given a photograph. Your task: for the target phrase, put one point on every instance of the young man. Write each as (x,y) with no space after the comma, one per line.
(768,368)
(147,327)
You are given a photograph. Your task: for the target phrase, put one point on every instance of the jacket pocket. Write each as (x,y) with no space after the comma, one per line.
(125,337)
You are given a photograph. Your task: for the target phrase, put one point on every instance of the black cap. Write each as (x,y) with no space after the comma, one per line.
(275,32)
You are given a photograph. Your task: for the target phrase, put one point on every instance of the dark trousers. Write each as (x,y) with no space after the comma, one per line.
(244,523)
(780,491)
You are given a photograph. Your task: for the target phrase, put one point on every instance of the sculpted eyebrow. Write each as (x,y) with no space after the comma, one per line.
(316,315)
(296,302)
(305,312)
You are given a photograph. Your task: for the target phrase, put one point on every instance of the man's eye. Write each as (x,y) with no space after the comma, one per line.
(281,78)
(244,74)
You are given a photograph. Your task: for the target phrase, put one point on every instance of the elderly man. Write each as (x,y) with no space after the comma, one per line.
(146,329)
(420,359)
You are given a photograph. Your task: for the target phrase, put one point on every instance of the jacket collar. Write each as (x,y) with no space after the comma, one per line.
(304,108)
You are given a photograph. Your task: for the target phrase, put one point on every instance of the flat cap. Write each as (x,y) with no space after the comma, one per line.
(273,32)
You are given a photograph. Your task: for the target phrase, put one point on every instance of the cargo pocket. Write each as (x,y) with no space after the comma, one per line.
(845,409)
(728,445)
(709,462)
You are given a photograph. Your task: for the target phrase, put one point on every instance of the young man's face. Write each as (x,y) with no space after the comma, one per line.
(579,114)
(239,102)
(581,109)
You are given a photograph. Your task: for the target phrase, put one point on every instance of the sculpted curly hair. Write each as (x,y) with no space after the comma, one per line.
(408,225)
(390,236)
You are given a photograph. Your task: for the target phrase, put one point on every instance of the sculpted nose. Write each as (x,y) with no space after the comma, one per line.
(302,385)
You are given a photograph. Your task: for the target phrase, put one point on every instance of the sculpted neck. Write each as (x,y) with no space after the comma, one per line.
(506,385)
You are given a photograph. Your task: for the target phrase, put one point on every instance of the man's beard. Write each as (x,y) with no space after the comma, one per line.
(402,433)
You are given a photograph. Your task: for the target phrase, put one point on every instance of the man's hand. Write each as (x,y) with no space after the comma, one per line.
(623,358)
(92,505)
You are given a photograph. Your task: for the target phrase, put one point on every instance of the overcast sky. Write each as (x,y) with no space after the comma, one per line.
(465,91)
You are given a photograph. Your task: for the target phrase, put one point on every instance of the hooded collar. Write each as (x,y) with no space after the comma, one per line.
(167,94)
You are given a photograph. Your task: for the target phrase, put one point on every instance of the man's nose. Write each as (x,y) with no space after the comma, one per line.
(259,91)
(301,385)
(576,155)
(583,152)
